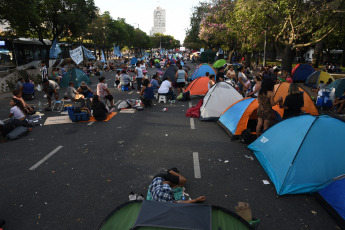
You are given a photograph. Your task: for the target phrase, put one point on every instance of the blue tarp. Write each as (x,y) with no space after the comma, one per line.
(301,154)
(334,196)
(201,71)
(54,50)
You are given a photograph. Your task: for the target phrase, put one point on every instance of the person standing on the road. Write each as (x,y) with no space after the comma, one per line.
(162,184)
(181,78)
(103,91)
(139,76)
(50,87)
(44,70)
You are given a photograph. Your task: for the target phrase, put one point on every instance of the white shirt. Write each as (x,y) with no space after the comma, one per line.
(140,72)
(165,86)
(17,113)
(143,67)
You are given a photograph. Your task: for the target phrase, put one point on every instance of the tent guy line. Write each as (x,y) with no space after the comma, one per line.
(46,158)
(197,171)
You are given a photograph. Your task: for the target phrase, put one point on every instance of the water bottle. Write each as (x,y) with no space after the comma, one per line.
(40,106)
(183,198)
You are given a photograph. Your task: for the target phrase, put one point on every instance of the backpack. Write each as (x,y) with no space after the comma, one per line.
(185,96)
(17,133)
(246,136)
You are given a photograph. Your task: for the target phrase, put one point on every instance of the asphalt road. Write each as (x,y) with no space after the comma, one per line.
(97,165)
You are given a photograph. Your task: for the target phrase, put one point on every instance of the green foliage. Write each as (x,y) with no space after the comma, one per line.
(164,41)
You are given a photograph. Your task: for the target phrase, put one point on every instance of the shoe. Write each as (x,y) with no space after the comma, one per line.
(140,197)
(132,196)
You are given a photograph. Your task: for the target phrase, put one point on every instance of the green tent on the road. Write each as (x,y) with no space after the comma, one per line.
(168,215)
(219,63)
(75,75)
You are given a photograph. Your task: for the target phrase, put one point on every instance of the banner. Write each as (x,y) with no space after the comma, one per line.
(76,55)
(54,50)
(88,54)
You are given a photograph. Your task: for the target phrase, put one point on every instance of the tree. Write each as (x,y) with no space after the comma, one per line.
(192,40)
(292,23)
(164,41)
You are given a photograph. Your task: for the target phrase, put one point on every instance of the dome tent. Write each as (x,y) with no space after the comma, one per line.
(301,72)
(201,71)
(314,79)
(198,87)
(217,99)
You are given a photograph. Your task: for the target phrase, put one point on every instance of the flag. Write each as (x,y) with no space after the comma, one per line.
(54,50)
(88,54)
(103,58)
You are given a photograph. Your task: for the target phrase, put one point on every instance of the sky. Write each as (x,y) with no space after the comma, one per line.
(139,13)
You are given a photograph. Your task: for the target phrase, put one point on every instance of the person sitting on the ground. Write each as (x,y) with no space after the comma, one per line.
(166,88)
(28,90)
(147,94)
(231,74)
(339,101)
(117,78)
(103,91)
(72,93)
(17,112)
(27,109)
(256,88)
(99,110)
(162,184)
(293,102)
(330,80)
(220,75)
(50,87)
(154,83)
(211,81)
(85,90)
(55,75)
(125,79)
(19,85)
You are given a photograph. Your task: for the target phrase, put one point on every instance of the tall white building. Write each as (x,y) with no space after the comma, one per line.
(159,20)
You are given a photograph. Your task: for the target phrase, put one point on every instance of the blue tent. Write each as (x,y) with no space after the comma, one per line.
(303,153)
(332,198)
(301,72)
(75,75)
(134,61)
(201,71)
(338,85)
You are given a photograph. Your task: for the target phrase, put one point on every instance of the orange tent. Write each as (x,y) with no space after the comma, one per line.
(243,115)
(282,90)
(198,87)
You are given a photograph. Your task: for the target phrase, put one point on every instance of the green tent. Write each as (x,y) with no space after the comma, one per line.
(207,56)
(75,75)
(168,216)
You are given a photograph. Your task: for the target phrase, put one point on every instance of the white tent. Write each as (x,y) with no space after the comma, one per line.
(218,99)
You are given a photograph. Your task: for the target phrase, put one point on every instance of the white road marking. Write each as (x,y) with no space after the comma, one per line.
(46,157)
(130,92)
(91,123)
(197,172)
(192,126)
(190,104)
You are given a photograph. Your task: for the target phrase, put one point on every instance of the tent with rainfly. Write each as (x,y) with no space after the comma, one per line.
(314,79)
(243,115)
(169,215)
(217,99)
(75,75)
(201,71)
(281,90)
(198,87)
(338,85)
(302,154)
(332,197)
(301,72)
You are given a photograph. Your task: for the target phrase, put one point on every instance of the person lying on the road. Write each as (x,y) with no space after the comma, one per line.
(162,184)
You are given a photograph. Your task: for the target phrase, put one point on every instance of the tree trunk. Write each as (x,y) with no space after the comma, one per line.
(342,62)
(247,59)
(287,59)
(230,55)
(317,54)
